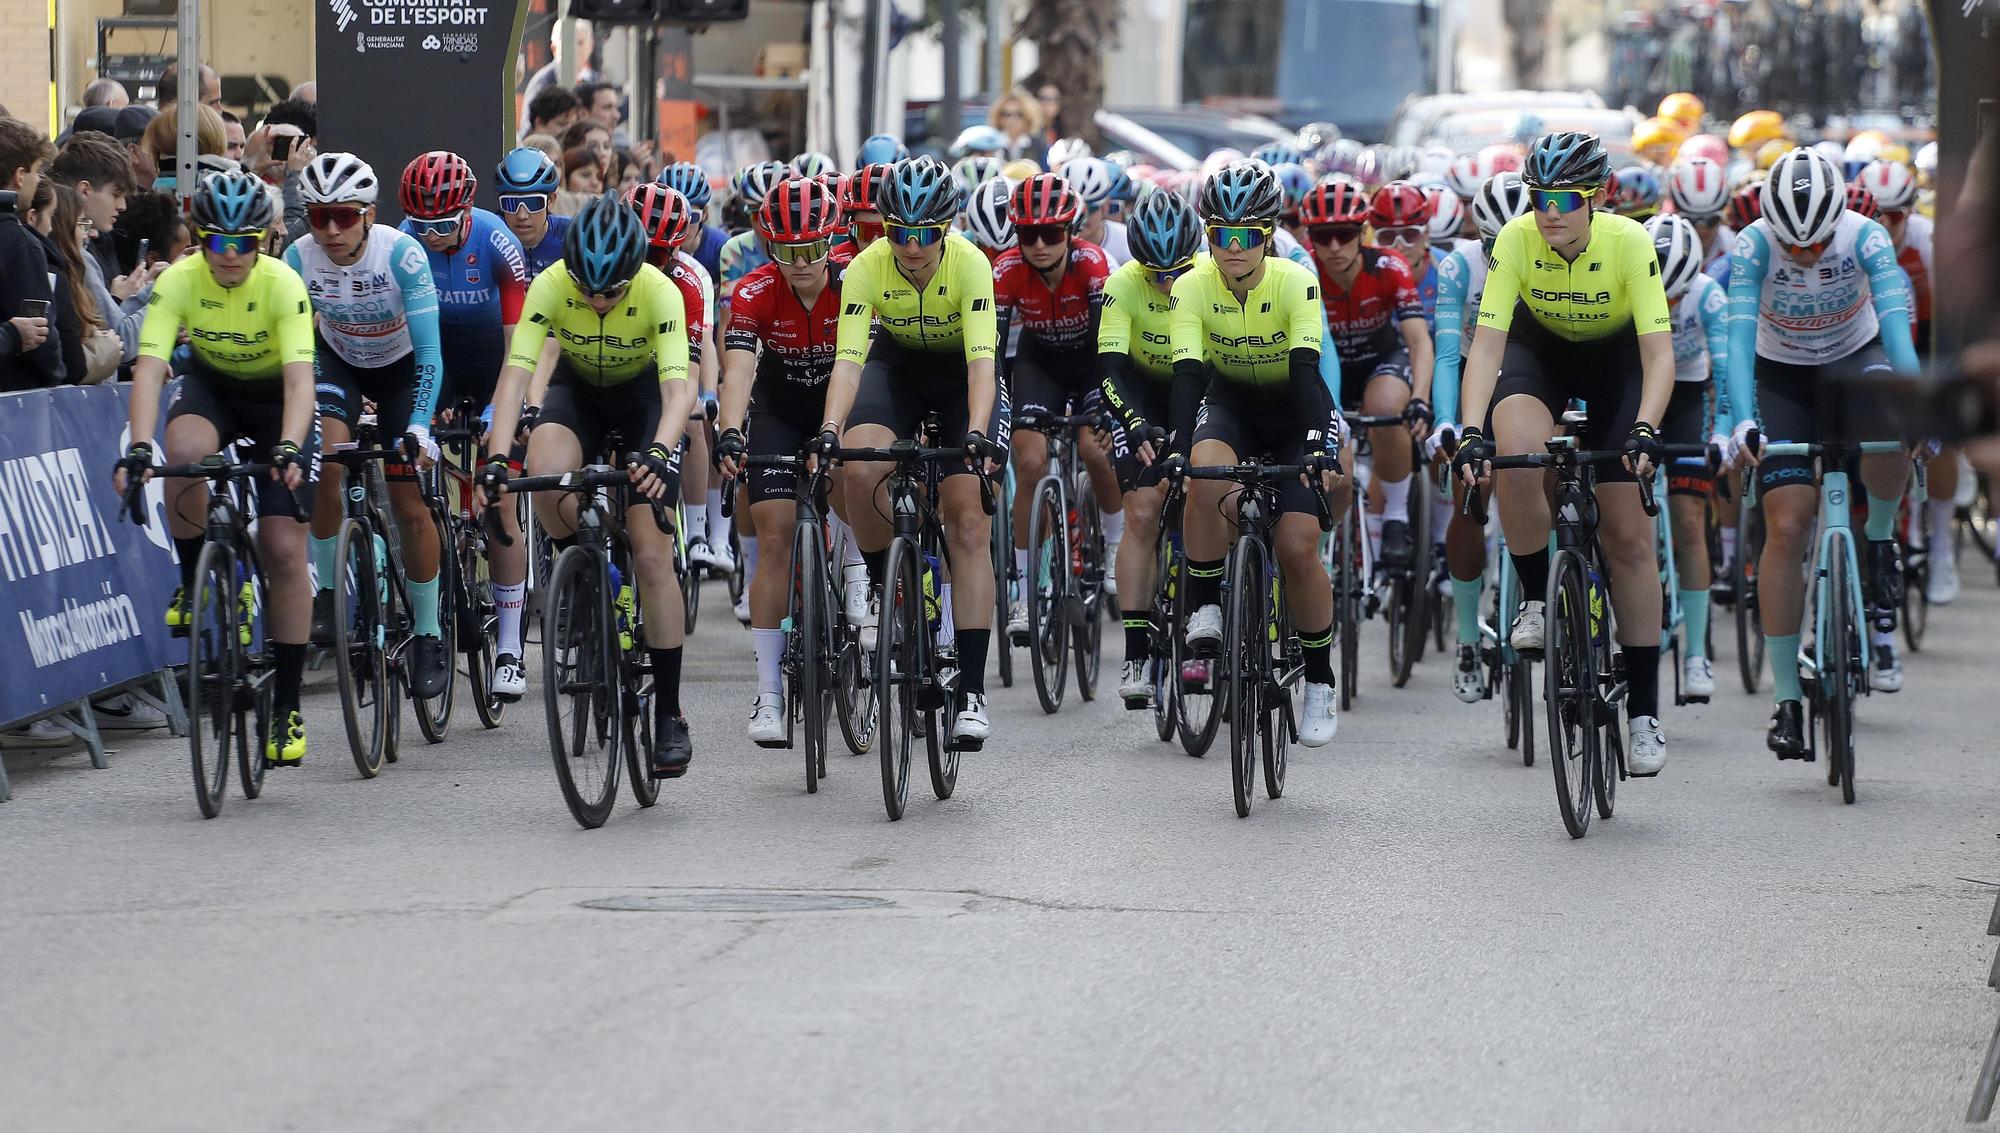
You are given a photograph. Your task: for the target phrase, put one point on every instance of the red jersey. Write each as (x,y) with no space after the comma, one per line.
(1064,319)
(1916,264)
(798,344)
(697,306)
(1364,318)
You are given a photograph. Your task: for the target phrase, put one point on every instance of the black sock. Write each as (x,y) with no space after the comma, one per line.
(1138,634)
(1318,651)
(291,667)
(972,645)
(666,682)
(1204,583)
(876,561)
(1642,680)
(189,550)
(1533,570)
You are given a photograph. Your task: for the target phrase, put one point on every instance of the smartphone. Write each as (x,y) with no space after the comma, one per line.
(34,308)
(145,245)
(281,147)
(1937,404)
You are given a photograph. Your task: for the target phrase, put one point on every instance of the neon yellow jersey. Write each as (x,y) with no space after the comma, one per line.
(1137,320)
(247,332)
(1614,284)
(646,332)
(1249,341)
(953,312)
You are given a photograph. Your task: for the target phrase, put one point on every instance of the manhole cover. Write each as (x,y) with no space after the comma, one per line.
(750,901)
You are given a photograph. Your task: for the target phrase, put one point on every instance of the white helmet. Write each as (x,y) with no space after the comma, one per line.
(1503,197)
(338,179)
(813,163)
(1926,159)
(1679,247)
(1447,214)
(1698,188)
(1464,176)
(985,216)
(1804,197)
(1863,149)
(1221,159)
(1090,177)
(1436,159)
(1891,182)
(1066,150)
(1834,151)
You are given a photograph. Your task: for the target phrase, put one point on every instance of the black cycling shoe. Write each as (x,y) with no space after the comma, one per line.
(673,748)
(322,627)
(1885,566)
(1723,590)
(430,667)
(1787,736)
(1397,550)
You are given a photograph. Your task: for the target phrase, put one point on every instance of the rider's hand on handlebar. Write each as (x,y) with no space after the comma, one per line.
(1418,415)
(654,473)
(1740,453)
(822,447)
(977,447)
(1472,463)
(1642,450)
(730,448)
(288,465)
(417,441)
(1152,443)
(492,480)
(1443,439)
(138,462)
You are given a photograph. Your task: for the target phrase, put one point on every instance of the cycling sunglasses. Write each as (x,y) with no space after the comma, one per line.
(335,216)
(1406,235)
(922,235)
(523,202)
(1895,214)
(1052,234)
(613,293)
(1802,250)
(1564,200)
(867,231)
(1239,236)
(1114,209)
(442,226)
(797,254)
(1706,221)
(223,243)
(1166,276)
(1334,234)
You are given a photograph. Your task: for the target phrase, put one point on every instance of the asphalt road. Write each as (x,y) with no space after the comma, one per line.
(1086,936)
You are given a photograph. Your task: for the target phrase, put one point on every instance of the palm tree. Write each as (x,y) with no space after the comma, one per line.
(1072,36)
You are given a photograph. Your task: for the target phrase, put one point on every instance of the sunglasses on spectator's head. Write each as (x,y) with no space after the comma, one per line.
(1239,236)
(523,202)
(223,243)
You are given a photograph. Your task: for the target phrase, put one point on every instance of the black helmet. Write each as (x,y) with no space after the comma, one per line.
(1246,192)
(605,245)
(920,191)
(1163,231)
(1568,159)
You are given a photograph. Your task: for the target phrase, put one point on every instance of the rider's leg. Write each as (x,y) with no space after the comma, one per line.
(1522,425)
(1626,533)
(1789,512)
(190,439)
(1387,394)
(1308,591)
(1031,461)
(1465,560)
(420,554)
(770,587)
(1137,565)
(327,511)
(1103,484)
(1205,528)
(968,533)
(1689,513)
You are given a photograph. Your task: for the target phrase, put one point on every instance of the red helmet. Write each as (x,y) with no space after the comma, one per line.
(1399,204)
(1861,199)
(799,211)
(436,185)
(663,212)
(1334,202)
(1044,198)
(863,189)
(1745,206)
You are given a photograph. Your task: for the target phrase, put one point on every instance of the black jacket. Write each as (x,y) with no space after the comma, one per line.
(25,275)
(68,321)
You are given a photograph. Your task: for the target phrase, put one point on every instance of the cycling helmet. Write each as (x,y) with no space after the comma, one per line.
(1861,200)
(437,184)
(1834,151)
(757,179)
(1368,167)
(1400,163)
(1334,202)
(1020,169)
(1635,192)
(986,221)
(1683,110)
(1091,179)
(1122,187)
(1502,158)
(1697,187)
(1803,198)
(1861,149)
(799,211)
(337,179)
(1275,154)
(232,204)
(978,139)
(1219,160)
(881,149)
(1704,145)
(1756,128)
(1656,132)
(689,180)
(1464,175)
(1316,136)
(1338,156)
(1399,204)
(1569,159)
(1244,193)
(812,163)
(1045,198)
(663,212)
(1502,198)
(1065,150)
(976,170)
(1526,127)
(1769,152)
(1447,214)
(1892,184)
(1679,248)
(1164,232)
(1295,181)
(526,170)
(920,191)
(863,190)
(1745,206)
(605,245)
(1925,159)
(1121,159)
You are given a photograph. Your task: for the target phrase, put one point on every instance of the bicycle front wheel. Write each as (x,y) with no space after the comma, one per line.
(479,624)
(584,705)
(1047,591)
(1569,677)
(899,672)
(1842,672)
(360,646)
(1087,592)
(1003,583)
(1347,580)
(1749,622)
(1246,650)
(215,666)
(812,653)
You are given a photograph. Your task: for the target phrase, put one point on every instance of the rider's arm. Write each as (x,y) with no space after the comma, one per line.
(1748,265)
(1653,321)
(1114,360)
(1329,358)
(158,335)
(412,270)
(677,393)
(1489,340)
(295,352)
(1890,290)
(739,354)
(1452,281)
(1714,315)
(1307,316)
(981,336)
(1410,321)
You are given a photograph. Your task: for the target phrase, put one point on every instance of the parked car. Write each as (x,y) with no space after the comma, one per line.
(1417,119)
(920,134)
(1470,131)
(1201,130)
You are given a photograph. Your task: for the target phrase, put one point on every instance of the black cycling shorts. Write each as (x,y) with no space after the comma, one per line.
(1047,381)
(473,358)
(1355,378)
(245,413)
(899,388)
(775,434)
(1689,413)
(1788,409)
(1255,426)
(630,411)
(1605,374)
(341,387)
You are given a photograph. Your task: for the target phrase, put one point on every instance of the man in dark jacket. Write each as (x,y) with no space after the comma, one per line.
(30,356)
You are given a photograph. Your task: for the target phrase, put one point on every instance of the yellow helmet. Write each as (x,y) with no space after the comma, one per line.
(1684,110)
(1020,169)
(1894,151)
(1769,153)
(1656,132)
(1756,128)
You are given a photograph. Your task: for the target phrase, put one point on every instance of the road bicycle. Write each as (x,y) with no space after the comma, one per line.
(1184,686)
(1064,590)
(1402,592)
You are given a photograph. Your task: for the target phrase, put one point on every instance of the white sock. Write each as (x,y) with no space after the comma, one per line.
(1021,565)
(697,523)
(749,555)
(1440,516)
(1396,498)
(850,550)
(1880,640)
(1938,533)
(947,629)
(508,602)
(1728,550)
(770,646)
(1114,526)
(718,522)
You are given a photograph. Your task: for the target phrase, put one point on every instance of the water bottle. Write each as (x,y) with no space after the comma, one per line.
(933,610)
(1596,602)
(621,606)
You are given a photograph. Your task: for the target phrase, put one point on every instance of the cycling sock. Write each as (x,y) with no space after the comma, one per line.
(1783,651)
(1728,563)
(1440,516)
(1939,513)
(1465,609)
(424,608)
(1114,526)
(877,562)
(1694,612)
(947,621)
(1374,523)
(1642,680)
(1138,633)
(749,545)
(770,646)
(1881,518)
(291,666)
(850,551)
(666,682)
(718,523)
(1021,565)
(696,517)
(1204,583)
(189,550)
(1879,640)
(1533,571)
(508,603)
(1396,499)
(1318,651)
(322,551)
(972,659)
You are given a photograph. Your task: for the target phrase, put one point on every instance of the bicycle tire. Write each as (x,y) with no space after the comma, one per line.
(1609,767)
(214,659)
(585,738)
(1838,688)
(361,656)
(856,703)
(812,654)
(434,715)
(1749,613)
(1196,718)
(253,724)
(1424,553)
(639,734)
(1046,590)
(1347,602)
(1159,647)
(898,666)
(1002,544)
(1243,635)
(1277,724)
(1569,681)
(1917,604)
(1524,694)
(477,608)
(1087,633)
(690,580)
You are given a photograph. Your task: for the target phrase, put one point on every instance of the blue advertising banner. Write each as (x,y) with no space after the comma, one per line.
(83,594)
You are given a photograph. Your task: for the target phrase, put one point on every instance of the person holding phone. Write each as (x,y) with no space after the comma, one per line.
(29,355)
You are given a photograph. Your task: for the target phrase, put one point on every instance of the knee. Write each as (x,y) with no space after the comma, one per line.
(285,554)
(969,532)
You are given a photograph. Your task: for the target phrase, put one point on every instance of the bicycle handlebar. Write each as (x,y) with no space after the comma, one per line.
(1254,474)
(133,506)
(1560,452)
(585,479)
(1039,422)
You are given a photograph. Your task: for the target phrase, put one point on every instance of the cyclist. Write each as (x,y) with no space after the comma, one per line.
(744,253)
(526,181)
(1053,284)
(985,219)
(375,311)
(1155,411)
(1831,296)
(1377,322)
(688,179)
(1091,178)
(248,374)
(1635,192)
(1574,308)
(621,330)
(482,279)
(1461,283)
(791,308)
(1700,310)
(931,293)
(880,149)
(1247,325)
(1699,191)
(860,213)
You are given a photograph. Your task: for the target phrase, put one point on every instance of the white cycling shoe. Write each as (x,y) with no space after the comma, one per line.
(1468,682)
(743,607)
(1204,627)
(1527,634)
(1017,619)
(1942,586)
(1646,748)
(971,723)
(767,720)
(1887,673)
(510,678)
(858,611)
(1135,685)
(1319,718)
(1697,678)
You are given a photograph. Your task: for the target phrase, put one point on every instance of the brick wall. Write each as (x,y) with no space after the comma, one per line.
(24,60)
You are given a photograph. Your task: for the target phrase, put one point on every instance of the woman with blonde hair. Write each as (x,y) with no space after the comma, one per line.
(1017,115)
(162,138)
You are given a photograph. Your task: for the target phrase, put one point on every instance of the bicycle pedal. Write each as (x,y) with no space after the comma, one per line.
(966,745)
(779,745)
(1139,704)
(1690,698)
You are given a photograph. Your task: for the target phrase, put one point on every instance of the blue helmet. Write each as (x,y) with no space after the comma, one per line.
(687,179)
(1295,182)
(1569,159)
(526,170)
(232,203)
(920,191)
(1163,231)
(1122,188)
(1275,154)
(980,138)
(881,149)
(605,245)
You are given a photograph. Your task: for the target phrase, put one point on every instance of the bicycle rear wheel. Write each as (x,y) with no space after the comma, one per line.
(1196,717)
(1521,683)
(1840,683)
(1749,622)
(1347,601)
(1003,583)
(1609,766)
(813,660)
(1916,596)
(215,666)
(1277,723)
(1569,677)
(1087,597)
(478,613)
(899,667)
(1047,590)
(434,715)
(1165,678)
(584,705)
(359,645)
(1246,650)
(639,729)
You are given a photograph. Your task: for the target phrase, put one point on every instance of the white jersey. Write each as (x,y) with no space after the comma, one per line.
(1820,313)
(1116,249)
(362,310)
(1288,246)
(1716,260)
(1701,312)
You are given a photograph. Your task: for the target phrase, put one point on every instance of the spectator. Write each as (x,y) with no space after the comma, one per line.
(547,145)
(30,356)
(631,171)
(1018,117)
(583,172)
(595,138)
(96,168)
(1053,126)
(162,140)
(296,112)
(232,129)
(106,92)
(307,91)
(89,120)
(92,351)
(41,215)
(153,219)
(552,111)
(209,96)
(131,133)
(550,74)
(299,121)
